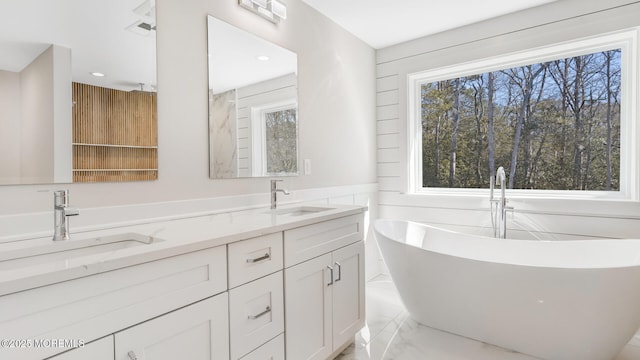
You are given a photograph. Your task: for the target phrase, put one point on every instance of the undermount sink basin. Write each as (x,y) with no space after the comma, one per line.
(300,210)
(71,249)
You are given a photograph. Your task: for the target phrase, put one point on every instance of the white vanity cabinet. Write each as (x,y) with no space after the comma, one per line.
(348,293)
(96,306)
(324,293)
(195,332)
(273,350)
(293,289)
(256,301)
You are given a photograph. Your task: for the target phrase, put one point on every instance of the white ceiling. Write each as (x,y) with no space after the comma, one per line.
(94,30)
(381,23)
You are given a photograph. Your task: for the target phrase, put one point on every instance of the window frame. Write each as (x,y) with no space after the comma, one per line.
(626,40)
(258,136)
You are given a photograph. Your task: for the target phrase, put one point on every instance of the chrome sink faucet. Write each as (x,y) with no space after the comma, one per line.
(274,193)
(61,210)
(499,220)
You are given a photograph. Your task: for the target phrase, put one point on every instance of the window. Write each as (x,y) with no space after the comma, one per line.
(275,140)
(557,119)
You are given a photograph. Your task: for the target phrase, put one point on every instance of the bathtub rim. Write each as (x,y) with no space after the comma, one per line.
(580,264)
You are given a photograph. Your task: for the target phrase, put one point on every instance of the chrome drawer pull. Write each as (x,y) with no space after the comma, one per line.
(330,269)
(339,271)
(132,355)
(266,311)
(264,257)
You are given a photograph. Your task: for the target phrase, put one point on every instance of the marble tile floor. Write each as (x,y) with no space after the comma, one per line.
(390,334)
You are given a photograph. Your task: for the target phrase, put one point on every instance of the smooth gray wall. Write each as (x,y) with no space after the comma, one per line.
(10,113)
(336,110)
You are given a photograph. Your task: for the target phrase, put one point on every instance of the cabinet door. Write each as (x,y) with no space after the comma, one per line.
(101,349)
(195,332)
(308,310)
(348,293)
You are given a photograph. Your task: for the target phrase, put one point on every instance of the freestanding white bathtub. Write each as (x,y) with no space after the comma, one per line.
(557,300)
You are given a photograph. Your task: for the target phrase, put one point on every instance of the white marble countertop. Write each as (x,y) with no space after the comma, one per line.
(176,237)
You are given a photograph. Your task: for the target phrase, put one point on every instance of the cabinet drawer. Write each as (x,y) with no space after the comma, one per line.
(273,350)
(307,242)
(256,314)
(254,258)
(90,307)
(195,332)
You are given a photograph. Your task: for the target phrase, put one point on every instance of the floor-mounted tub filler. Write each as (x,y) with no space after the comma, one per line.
(557,300)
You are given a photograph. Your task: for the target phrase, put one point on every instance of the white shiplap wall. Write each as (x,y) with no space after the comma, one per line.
(549,24)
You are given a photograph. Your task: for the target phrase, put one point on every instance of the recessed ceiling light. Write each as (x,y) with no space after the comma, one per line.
(97,74)
(262,57)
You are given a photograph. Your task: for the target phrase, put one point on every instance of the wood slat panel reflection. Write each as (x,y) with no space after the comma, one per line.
(114,135)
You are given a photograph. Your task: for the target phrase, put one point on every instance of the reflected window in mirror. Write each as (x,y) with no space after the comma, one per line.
(275,140)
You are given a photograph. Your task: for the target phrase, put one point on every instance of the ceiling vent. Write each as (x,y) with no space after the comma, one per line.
(146,26)
(141,27)
(146,12)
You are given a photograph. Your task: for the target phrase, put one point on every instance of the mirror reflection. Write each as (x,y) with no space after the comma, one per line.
(253,120)
(77,91)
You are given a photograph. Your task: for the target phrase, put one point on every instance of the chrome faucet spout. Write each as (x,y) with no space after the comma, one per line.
(501,178)
(499,220)
(492,185)
(62,210)
(274,193)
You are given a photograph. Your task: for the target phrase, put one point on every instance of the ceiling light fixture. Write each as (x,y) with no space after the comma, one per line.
(272,10)
(262,57)
(279,9)
(97,74)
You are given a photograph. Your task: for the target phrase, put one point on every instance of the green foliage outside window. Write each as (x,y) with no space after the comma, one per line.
(281,142)
(552,126)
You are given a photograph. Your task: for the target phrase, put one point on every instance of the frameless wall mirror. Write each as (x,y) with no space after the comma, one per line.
(253,117)
(77,91)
